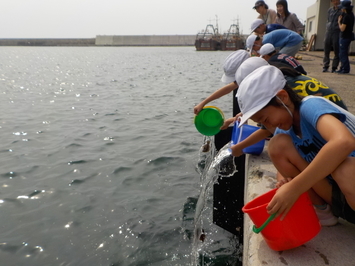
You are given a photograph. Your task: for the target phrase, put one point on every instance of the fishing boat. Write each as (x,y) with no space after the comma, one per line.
(232,40)
(208,39)
(211,40)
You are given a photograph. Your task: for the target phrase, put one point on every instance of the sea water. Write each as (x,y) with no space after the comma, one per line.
(99,157)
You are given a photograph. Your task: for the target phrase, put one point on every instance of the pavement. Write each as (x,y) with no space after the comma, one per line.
(333,245)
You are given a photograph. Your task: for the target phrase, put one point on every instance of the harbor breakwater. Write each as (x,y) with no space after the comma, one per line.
(106,40)
(47,42)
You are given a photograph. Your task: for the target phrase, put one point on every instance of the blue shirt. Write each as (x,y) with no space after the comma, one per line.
(313,107)
(272,27)
(282,38)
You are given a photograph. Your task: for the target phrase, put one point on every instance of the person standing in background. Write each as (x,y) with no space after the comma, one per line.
(346,25)
(266,14)
(332,37)
(286,18)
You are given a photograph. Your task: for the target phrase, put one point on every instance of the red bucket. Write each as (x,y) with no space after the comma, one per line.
(300,225)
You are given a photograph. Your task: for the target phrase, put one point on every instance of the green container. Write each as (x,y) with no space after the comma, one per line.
(209,121)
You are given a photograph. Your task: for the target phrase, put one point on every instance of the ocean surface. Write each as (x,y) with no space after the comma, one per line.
(100,162)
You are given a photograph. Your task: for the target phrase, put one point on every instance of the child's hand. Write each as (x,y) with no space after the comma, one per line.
(227,122)
(283,200)
(198,108)
(282,182)
(239,115)
(236,151)
(230,121)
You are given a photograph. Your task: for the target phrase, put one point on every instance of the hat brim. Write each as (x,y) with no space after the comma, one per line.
(227,79)
(252,112)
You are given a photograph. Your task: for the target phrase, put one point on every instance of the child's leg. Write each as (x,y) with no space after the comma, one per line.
(285,157)
(289,163)
(344,175)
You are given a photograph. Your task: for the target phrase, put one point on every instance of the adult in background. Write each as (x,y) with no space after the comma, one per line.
(268,52)
(266,14)
(331,39)
(346,25)
(286,18)
(286,41)
(259,27)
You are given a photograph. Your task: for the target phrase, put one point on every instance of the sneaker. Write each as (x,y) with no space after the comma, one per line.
(341,72)
(325,69)
(334,70)
(326,217)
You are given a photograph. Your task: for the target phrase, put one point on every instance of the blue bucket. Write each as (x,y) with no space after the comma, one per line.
(241,133)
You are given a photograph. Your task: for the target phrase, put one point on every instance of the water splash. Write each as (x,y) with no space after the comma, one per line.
(211,167)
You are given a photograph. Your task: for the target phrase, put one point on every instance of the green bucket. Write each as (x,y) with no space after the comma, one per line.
(209,121)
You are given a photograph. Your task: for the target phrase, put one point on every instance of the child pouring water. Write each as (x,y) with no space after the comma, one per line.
(313,144)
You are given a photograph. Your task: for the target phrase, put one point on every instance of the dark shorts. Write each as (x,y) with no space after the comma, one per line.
(340,207)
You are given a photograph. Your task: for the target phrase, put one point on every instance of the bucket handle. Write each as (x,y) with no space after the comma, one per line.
(258,230)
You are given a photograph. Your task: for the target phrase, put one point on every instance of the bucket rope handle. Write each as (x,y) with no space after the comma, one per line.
(258,230)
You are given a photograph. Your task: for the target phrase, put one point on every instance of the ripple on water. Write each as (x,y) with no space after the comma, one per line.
(122,169)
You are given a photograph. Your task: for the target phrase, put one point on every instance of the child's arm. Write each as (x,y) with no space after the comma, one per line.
(340,143)
(257,136)
(217,94)
(229,121)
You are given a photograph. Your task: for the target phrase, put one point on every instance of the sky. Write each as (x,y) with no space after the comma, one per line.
(88,18)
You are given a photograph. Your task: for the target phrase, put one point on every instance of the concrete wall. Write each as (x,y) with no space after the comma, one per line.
(145,40)
(311,21)
(47,42)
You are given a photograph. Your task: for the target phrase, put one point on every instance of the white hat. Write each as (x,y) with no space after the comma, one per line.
(257,89)
(232,63)
(250,41)
(256,23)
(266,49)
(248,66)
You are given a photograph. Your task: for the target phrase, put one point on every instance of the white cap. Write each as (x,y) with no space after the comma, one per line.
(248,66)
(250,41)
(266,49)
(256,23)
(257,89)
(232,63)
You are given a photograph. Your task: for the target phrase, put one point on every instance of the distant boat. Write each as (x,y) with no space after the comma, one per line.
(232,40)
(210,40)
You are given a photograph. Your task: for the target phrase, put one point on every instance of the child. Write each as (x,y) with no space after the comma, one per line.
(301,84)
(314,139)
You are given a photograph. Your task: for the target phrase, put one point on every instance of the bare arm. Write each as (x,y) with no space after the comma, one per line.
(340,143)
(217,94)
(257,136)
